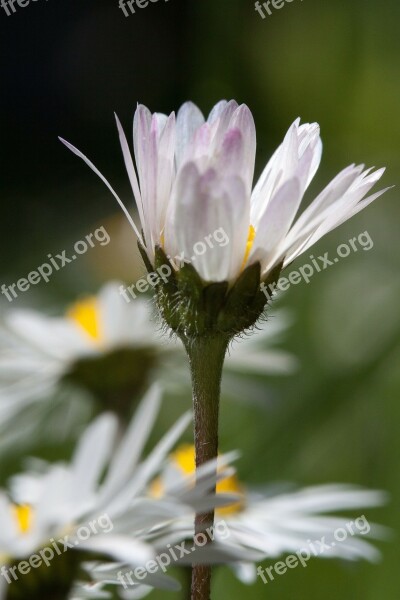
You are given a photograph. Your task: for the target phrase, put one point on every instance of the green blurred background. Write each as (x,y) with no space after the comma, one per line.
(67,65)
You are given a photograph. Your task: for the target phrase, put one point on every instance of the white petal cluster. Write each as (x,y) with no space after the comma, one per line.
(37,351)
(103,479)
(194,176)
(273,522)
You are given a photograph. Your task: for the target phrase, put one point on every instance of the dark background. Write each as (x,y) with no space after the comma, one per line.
(66,66)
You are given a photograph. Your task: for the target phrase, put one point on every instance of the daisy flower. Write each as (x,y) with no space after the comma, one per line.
(96,505)
(102,345)
(107,348)
(194,176)
(274,522)
(193,180)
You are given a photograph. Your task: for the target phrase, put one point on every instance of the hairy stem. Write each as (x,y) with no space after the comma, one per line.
(206,357)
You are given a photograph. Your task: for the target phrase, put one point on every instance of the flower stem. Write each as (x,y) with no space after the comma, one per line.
(206,357)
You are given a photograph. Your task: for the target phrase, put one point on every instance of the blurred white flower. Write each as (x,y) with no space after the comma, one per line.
(194,177)
(273,522)
(106,485)
(109,349)
(102,344)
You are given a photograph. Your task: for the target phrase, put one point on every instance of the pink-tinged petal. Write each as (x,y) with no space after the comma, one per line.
(231,156)
(104,180)
(131,170)
(167,137)
(158,122)
(226,114)
(141,127)
(188,120)
(199,149)
(154,143)
(242,119)
(182,193)
(220,125)
(149,176)
(201,206)
(165,172)
(237,223)
(141,135)
(276,221)
(216,111)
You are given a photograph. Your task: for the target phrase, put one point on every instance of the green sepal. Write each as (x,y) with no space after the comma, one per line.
(160,260)
(189,303)
(214,296)
(166,289)
(195,308)
(238,313)
(260,300)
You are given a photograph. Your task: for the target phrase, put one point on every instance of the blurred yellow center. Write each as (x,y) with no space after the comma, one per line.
(23,516)
(85,313)
(249,245)
(184,459)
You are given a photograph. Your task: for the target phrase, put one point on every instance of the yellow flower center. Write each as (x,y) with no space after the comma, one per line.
(184,459)
(85,314)
(249,245)
(23,516)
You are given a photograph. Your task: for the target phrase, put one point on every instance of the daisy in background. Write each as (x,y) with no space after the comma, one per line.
(275,521)
(95,506)
(105,349)
(102,348)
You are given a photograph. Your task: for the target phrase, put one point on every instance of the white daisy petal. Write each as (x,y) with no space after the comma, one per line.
(276,221)
(92,454)
(189,170)
(188,120)
(129,451)
(206,204)
(119,547)
(104,180)
(131,171)
(270,523)
(242,120)
(216,111)
(66,502)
